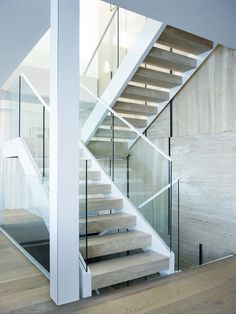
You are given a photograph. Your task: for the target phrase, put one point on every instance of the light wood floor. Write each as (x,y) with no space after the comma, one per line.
(207,289)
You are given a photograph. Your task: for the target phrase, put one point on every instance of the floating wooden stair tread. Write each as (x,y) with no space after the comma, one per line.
(115,243)
(137,123)
(170,60)
(156,78)
(121,269)
(145,94)
(91,175)
(135,109)
(82,163)
(108,133)
(101,203)
(95,188)
(184,41)
(103,149)
(105,222)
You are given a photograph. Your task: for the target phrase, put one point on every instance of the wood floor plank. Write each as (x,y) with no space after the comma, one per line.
(207,289)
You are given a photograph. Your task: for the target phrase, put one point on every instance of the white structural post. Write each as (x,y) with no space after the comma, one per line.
(64,152)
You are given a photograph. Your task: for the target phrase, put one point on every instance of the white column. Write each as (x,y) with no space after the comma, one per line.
(64,152)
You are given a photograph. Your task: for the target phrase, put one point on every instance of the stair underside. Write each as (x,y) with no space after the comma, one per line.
(156,78)
(137,123)
(184,41)
(108,133)
(170,60)
(101,223)
(135,109)
(121,269)
(144,94)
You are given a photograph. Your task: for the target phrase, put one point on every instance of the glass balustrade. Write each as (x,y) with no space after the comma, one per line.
(140,171)
(24,215)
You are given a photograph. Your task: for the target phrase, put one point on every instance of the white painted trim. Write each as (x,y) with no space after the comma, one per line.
(85,279)
(158,244)
(158,193)
(44,104)
(131,62)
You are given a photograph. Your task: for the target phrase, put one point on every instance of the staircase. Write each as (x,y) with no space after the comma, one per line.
(162,73)
(116,250)
(117,243)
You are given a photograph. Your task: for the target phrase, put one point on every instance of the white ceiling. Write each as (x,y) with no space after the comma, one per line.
(212,19)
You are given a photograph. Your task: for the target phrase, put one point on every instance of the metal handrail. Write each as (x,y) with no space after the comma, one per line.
(126,122)
(101,39)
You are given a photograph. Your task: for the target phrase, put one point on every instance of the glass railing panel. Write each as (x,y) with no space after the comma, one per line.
(104,62)
(117,38)
(157,213)
(45,168)
(32,123)
(138,173)
(86,105)
(11,105)
(24,214)
(130,24)
(85,179)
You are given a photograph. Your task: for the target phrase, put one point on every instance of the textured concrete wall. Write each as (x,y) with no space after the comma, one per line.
(204,158)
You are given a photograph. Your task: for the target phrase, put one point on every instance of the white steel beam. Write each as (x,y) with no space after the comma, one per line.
(64,152)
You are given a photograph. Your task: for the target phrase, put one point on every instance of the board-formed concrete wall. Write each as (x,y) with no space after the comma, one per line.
(203,148)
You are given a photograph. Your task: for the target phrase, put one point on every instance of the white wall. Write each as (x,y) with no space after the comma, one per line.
(22,24)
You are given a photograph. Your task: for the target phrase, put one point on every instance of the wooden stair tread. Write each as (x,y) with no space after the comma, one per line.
(145,94)
(184,41)
(124,261)
(101,203)
(137,123)
(157,78)
(104,149)
(108,133)
(91,174)
(135,109)
(101,223)
(96,188)
(116,243)
(170,60)
(121,269)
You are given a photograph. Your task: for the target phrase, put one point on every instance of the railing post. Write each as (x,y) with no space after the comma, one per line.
(113,146)
(128,175)
(178,226)
(200,253)
(86,214)
(118,38)
(43,143)
(19,99)
(170,204)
